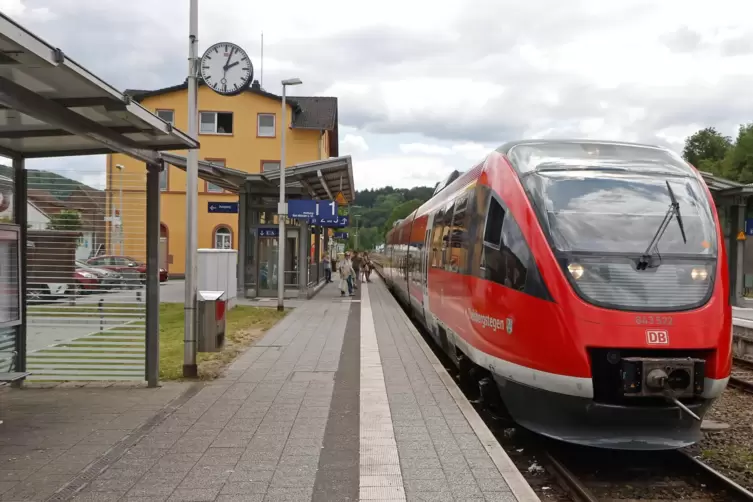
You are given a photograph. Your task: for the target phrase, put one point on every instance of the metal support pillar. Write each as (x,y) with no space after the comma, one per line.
(317,252)
(21,218)
(242,242)
(304,244)
(190,369)
(737,276)
(152,273)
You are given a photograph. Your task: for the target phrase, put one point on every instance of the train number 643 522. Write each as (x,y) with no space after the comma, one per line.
(654,320)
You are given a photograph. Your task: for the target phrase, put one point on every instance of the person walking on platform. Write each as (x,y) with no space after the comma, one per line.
(345,269)
(356,269)
(327,268)
(366,266)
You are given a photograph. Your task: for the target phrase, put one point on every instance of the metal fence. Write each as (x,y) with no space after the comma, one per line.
(86,255)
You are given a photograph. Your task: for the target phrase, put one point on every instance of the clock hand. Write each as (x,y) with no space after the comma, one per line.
(227,63)
(230,66)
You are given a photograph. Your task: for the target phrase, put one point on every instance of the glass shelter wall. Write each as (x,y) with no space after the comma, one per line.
(262,244)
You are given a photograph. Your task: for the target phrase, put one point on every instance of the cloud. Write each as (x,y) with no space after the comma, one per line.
(353,144)
(436,88)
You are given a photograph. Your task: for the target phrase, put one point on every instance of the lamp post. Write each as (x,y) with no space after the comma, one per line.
(190,368)
(282,207)
(121,168)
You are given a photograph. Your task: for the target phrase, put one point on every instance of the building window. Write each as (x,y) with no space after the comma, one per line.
(266,125)
(163,178)
(270,165)
(215,122)
(223,238)
(211,187)
(167,115)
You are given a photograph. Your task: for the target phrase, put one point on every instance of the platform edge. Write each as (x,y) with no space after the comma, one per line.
(519,487)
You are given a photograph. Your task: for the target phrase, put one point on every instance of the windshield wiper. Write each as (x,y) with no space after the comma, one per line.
(674,210)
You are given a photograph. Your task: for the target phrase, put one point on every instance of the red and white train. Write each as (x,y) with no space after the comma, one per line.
(583,282)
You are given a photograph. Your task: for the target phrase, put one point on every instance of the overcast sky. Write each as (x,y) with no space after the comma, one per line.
(425,87)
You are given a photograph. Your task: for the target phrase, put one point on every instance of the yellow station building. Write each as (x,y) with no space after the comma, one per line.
(241,132)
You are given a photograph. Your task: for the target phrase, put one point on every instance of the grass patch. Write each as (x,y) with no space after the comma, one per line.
(244,326)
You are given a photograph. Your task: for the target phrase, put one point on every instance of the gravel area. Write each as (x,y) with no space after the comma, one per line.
(730,451)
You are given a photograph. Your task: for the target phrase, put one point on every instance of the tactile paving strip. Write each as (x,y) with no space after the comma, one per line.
(379,473)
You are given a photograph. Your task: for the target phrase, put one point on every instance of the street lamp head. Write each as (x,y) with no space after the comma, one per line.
(292,81)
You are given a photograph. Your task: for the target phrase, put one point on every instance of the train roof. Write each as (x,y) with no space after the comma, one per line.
(553,141)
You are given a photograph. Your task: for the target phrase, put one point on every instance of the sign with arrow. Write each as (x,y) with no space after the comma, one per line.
(222,207)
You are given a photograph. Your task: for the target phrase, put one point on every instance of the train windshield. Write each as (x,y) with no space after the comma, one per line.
(608,211)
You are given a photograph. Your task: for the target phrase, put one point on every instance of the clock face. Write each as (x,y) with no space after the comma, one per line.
(226,68)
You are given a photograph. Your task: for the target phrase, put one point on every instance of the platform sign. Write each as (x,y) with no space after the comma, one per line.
(341,235)
(335,221)
(222,207)
(269,232)
(308,209)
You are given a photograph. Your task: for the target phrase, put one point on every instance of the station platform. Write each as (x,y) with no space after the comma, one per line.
(342,400)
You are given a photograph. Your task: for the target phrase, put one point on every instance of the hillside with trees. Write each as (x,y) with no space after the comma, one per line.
(376,210)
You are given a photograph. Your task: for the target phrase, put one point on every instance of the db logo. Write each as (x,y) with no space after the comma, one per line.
(657,337)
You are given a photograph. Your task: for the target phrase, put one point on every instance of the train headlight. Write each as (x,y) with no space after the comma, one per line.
(699,274)
(576,270)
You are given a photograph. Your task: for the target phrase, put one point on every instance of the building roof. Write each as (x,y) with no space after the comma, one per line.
(52,106)
(309,112)
(321,179)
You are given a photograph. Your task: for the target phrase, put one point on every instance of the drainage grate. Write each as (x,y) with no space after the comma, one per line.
(112,455)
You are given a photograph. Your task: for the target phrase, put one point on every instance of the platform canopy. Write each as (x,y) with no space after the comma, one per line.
(224,177)
(322,179)
(51,106)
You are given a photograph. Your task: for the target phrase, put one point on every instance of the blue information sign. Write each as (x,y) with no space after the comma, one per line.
(222,207)
(749,226)
(341,235)
(269,232)
(334,221)
(308,209)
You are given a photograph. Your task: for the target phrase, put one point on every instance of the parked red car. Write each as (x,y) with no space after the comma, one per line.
(133,272)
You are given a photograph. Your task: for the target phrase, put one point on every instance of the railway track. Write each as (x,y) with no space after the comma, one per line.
(667,475)
(742,375)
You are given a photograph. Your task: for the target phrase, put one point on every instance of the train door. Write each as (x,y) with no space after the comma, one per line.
(425,264)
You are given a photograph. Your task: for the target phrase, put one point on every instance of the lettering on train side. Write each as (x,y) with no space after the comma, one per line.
(488,321)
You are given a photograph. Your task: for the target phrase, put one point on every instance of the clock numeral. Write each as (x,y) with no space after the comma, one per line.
(216,50)
(244,69)
(244,58)
(209,57)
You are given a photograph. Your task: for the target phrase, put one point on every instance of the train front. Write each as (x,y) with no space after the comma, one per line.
(636,264)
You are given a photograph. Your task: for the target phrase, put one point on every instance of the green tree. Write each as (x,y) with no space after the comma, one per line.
(401,212)
(738,163)
(706,149)
(65,220)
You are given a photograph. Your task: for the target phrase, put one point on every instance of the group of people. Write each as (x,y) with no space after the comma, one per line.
(353,269)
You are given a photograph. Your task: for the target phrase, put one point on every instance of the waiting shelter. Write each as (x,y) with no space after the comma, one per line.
(50,106)
(259,238)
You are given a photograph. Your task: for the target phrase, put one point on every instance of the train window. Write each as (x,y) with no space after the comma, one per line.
(436,239)
(505,256)
(458,235)
(494,219)
(446,227)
